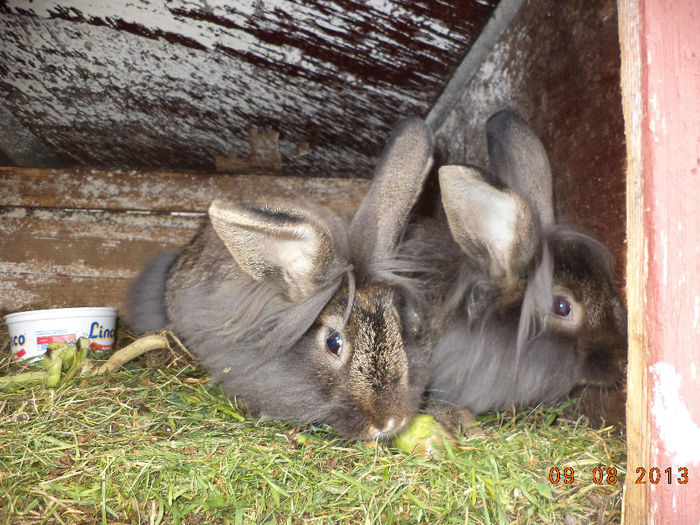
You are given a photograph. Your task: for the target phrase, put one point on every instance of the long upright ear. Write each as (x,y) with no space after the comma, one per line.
(290,246)
(519,161)
(397,182)
(483,217)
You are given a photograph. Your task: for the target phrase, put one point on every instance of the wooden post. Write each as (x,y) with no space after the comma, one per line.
(660,42)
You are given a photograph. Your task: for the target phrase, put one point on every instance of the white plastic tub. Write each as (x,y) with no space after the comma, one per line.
(31,332)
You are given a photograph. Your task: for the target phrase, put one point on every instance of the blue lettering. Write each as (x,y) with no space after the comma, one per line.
(97,331)
(18,340)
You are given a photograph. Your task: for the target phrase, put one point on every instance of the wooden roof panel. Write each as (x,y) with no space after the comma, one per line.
(171,85)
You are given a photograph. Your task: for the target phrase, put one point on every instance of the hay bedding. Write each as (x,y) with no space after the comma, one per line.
(158,443)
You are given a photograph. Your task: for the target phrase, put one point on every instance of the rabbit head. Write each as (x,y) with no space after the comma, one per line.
(529,310)
(290,306)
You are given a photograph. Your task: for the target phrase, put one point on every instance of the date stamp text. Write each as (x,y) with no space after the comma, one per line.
(602,475)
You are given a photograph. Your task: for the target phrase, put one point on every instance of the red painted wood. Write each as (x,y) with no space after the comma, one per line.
(670,45)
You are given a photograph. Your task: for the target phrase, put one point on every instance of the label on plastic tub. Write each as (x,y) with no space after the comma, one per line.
(45,337)
(62,338)
(97,331)
(17,346)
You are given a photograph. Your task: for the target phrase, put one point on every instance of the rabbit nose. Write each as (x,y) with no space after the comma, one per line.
(388,428)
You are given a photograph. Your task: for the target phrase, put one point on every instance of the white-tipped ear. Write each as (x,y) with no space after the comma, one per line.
(481,216)
(290,247)
(519,161)
(396,184)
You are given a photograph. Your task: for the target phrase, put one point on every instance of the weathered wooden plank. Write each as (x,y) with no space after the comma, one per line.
(637,499)
(30,292)
(61,227)
(661,80)
(137,190)
(171,85)
(52,258)
(86,243)
(500,20)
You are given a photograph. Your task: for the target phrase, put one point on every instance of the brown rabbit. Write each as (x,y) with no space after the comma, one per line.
(524,307)
(291,308)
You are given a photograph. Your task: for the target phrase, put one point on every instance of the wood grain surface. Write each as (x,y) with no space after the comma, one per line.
(78,237)
(171,85)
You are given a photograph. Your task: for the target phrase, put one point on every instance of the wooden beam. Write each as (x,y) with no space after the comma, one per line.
(660,45)
(78,237)
(164,191)
(636,498)
(500,19)
(67,257)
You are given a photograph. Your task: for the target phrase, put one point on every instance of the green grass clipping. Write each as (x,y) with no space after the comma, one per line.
(162,445)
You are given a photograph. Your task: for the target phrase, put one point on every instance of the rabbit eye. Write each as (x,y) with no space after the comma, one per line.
(334,344)
(561,307)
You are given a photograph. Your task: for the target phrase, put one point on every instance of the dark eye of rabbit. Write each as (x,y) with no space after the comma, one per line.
(561,307)
(334,343)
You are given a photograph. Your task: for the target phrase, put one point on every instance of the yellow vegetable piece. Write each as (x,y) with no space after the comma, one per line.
(423,437)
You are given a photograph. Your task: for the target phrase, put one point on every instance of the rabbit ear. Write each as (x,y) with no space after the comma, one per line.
(288,246)
(481,216)
(519,161)
(397,182)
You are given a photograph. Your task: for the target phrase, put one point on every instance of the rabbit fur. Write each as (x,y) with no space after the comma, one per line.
(501,278)
(267,292)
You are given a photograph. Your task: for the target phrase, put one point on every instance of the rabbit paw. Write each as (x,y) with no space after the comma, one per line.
(458,421)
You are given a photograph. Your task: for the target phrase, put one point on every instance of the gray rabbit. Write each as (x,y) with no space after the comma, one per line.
(295,310)
(524,307)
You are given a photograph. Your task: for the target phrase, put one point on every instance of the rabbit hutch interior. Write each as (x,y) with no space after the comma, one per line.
(120,124)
